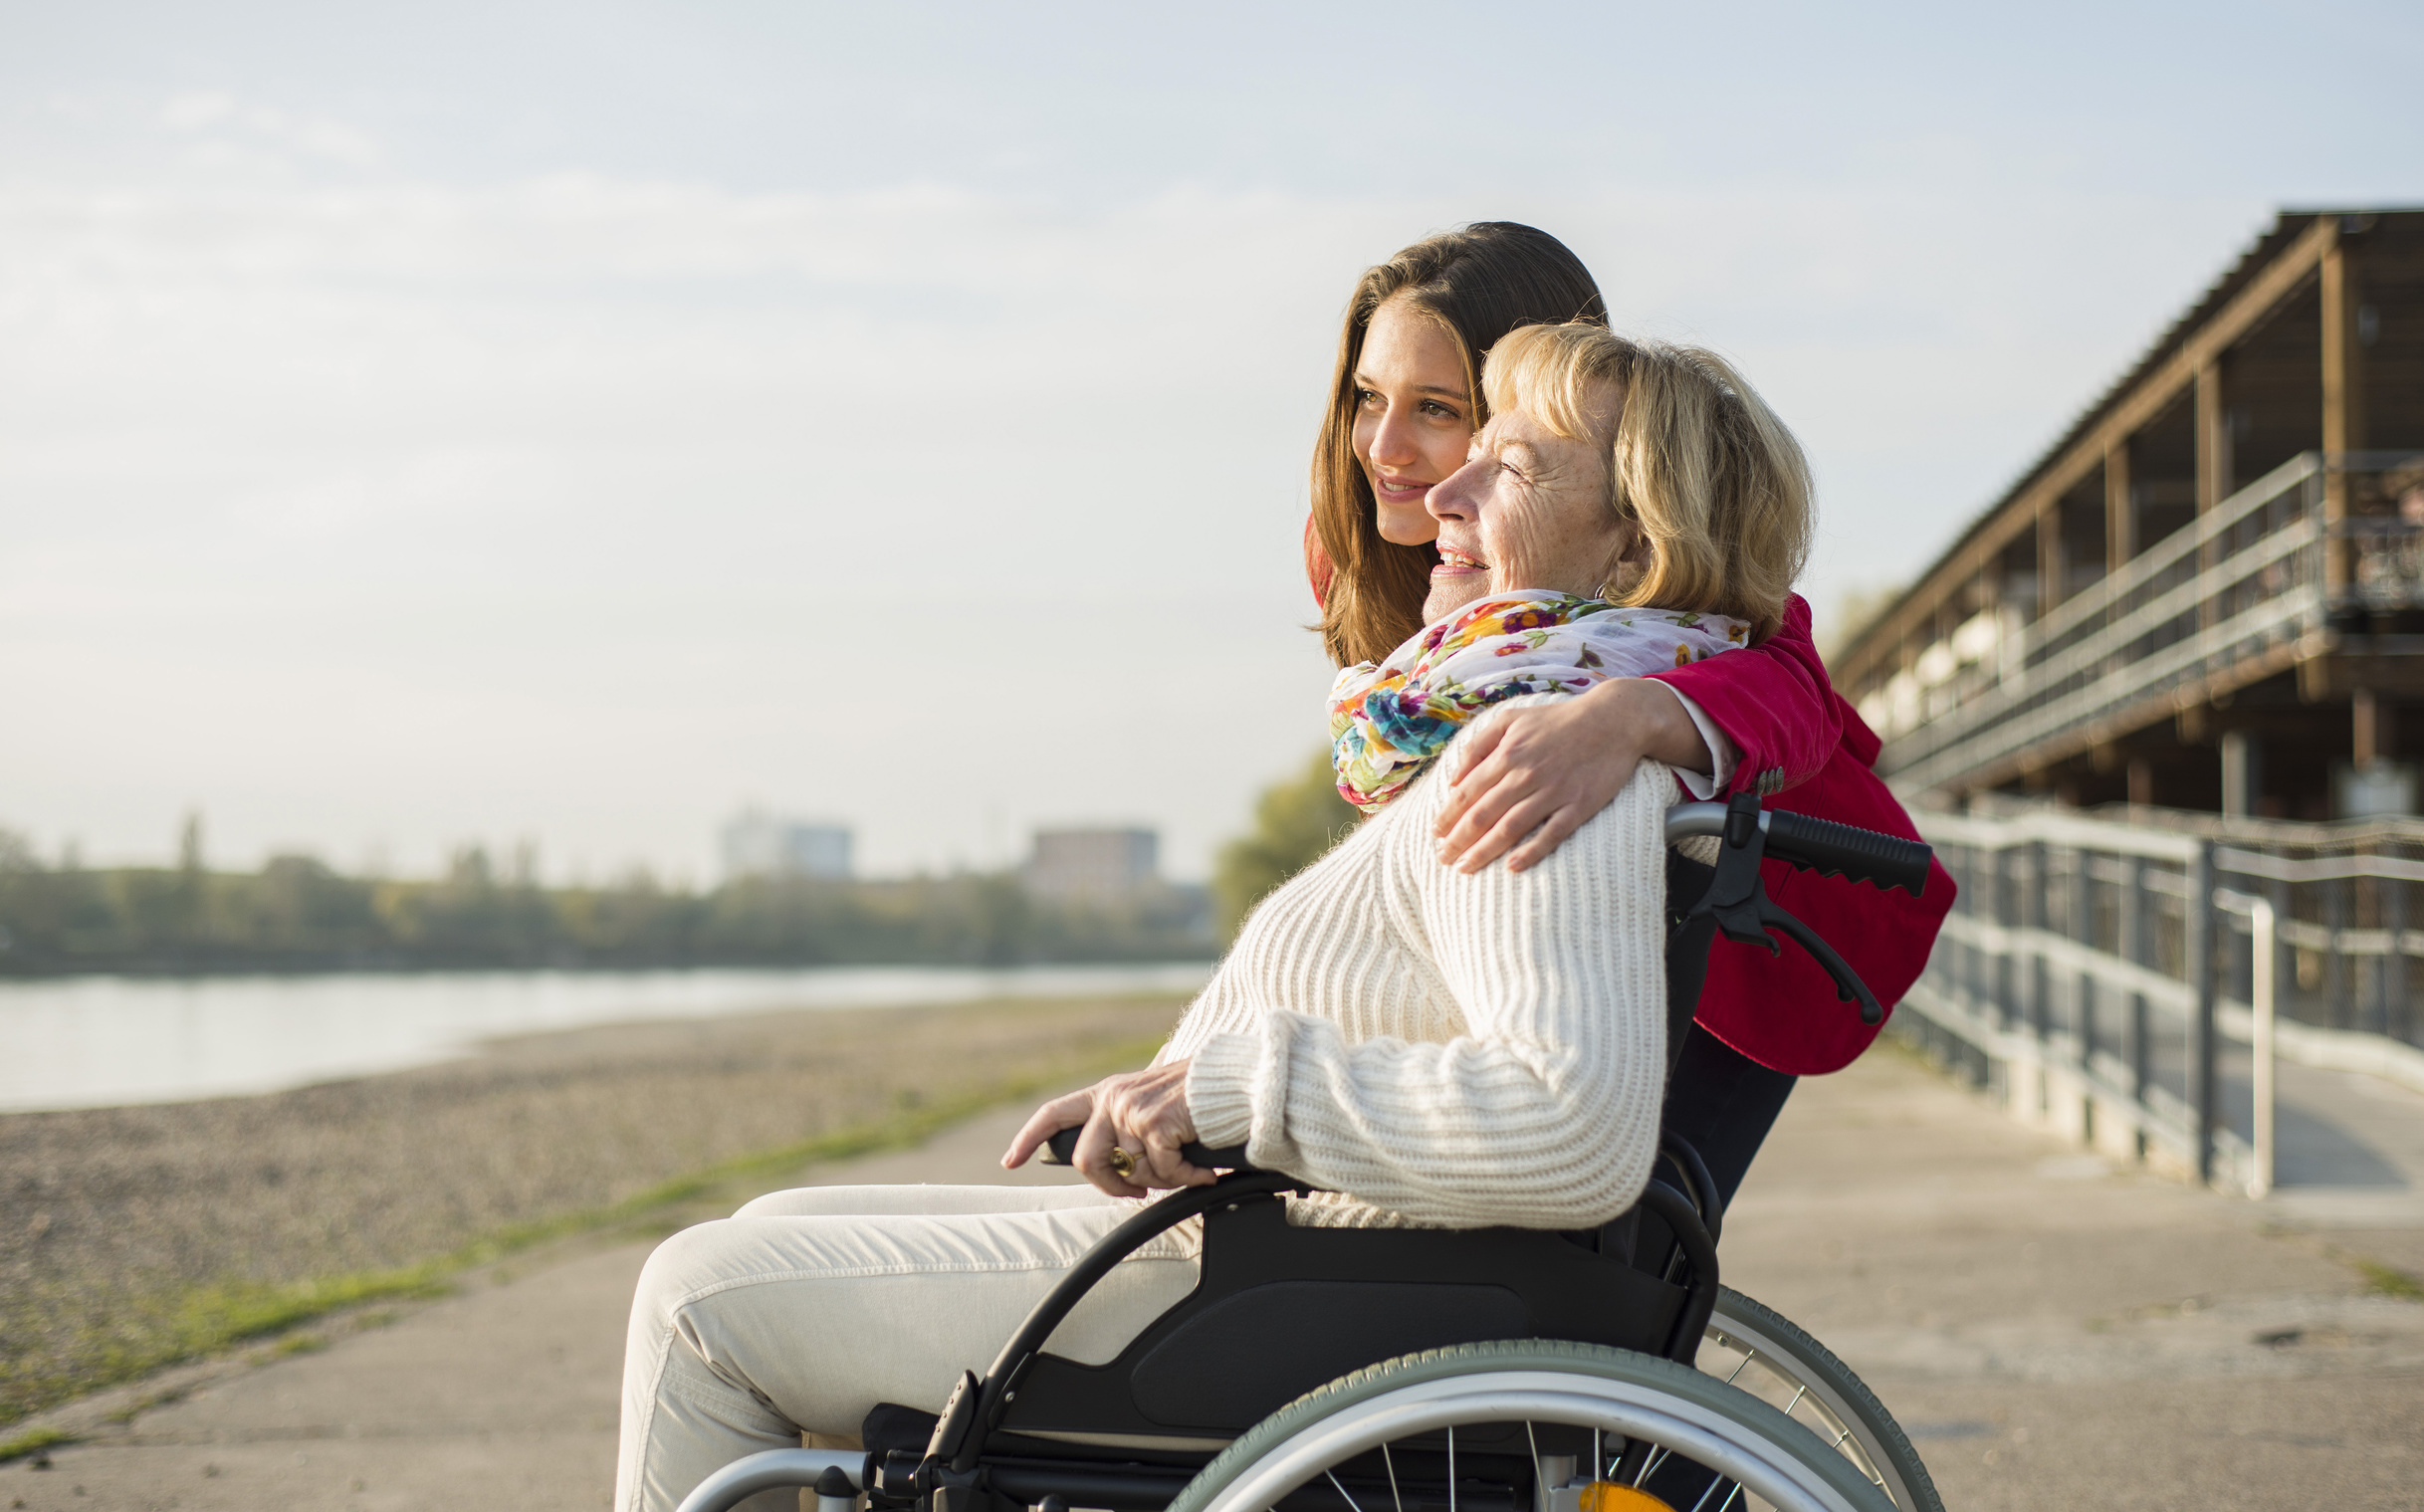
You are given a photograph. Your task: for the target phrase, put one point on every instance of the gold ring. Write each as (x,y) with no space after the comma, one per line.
(1122,1164)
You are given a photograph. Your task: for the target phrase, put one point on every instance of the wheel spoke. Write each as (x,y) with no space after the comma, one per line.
(1343,1491)
(1540,1487)
(1390,1461)
(1649,1466)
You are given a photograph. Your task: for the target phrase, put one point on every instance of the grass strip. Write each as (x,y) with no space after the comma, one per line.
(2388,1280)
(205,1320)
(33,1443)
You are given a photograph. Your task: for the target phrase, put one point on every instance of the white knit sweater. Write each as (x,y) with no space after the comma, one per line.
(1447,1050)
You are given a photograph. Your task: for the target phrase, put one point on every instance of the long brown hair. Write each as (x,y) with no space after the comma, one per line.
(1478,283)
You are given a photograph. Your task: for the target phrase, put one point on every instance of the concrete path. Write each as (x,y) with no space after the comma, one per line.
(2351,1150)
(2053,1333)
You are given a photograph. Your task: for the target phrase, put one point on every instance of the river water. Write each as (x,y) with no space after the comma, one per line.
(105,1042)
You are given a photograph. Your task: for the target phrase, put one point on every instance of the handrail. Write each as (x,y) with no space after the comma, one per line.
(2144,677)
(2098,973)
(2083,658)
(2254,863)
(2223,517)
(2053,829)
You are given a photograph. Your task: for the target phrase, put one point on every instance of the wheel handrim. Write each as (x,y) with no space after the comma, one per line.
(1811,1401)
(1627,1409)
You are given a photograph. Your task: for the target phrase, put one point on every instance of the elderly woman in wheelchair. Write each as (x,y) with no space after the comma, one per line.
(1424,1244)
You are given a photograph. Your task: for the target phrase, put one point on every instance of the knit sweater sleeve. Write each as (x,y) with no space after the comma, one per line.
(1543,1113)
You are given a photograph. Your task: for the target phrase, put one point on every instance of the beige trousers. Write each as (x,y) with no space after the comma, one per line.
(807,1308)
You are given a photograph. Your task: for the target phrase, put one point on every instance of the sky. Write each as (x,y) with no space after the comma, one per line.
(565,424)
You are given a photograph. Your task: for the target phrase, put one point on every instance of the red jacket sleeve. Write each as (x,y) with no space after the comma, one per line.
(1318,571)
(1773,701)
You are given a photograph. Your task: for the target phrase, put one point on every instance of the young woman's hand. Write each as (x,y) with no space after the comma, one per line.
(1536,774)
(1144,1113)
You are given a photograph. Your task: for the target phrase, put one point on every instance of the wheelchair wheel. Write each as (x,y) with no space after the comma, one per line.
(1529,1426)
(1763,1353)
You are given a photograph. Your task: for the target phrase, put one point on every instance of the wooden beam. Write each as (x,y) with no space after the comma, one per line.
(2343,399)
(2049,560)
(2211,444)
(2154,395)
(2365,742)
(2121,514)
(2213,440)
(2342,355)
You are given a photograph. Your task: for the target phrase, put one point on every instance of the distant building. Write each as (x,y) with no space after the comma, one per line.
(1093,865)
(760,844)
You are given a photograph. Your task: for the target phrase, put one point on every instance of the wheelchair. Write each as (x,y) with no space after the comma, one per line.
(1401,1370)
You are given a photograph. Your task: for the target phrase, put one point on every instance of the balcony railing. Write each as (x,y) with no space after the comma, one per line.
(2130,982)
(2244,584)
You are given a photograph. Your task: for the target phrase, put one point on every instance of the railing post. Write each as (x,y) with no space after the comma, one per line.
(2397,1018)
(2262,927)
(2285,962)
(2034,901)
(2203,1082)
(2133,950)
(2007,962)
(2339,992)
(1971,900)
(2391,973)
(2082,930)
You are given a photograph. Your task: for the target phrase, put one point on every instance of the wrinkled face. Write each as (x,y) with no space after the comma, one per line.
(1414,419)
(1528,511)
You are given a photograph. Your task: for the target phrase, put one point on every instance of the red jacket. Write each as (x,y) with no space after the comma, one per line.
(1810,752)
(1807,751)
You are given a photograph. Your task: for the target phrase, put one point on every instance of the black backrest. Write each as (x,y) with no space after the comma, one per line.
(1687,946)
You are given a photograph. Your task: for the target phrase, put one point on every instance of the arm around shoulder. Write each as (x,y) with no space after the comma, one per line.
(1774,701)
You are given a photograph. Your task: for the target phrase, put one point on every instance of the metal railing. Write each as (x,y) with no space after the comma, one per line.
(2245,582)
(2130,984)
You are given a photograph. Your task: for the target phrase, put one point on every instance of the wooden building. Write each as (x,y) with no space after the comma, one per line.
(2209,594)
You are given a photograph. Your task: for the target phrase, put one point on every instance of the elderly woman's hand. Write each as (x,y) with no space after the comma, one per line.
(1534,776)
(1144,1113)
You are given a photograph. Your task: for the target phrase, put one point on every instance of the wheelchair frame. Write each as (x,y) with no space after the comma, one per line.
(1132,1434)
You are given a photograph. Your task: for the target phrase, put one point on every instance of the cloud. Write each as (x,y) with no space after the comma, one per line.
(197,110)
(236,132)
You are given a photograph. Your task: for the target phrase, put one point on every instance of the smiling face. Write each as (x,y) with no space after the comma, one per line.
(1529,509)
(1414,415)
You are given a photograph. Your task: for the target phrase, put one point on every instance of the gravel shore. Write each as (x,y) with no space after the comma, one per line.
(131,1235)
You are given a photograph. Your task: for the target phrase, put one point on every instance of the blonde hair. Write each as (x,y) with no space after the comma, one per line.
(1699,465)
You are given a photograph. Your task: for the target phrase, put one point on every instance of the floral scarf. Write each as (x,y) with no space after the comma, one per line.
(1389,722)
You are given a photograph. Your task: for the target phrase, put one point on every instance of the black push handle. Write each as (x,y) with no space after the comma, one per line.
(1844,850)
(1819,845)
(1061,1149)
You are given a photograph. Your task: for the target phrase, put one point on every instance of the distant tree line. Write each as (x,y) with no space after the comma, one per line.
(296,913)
(1295,819)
